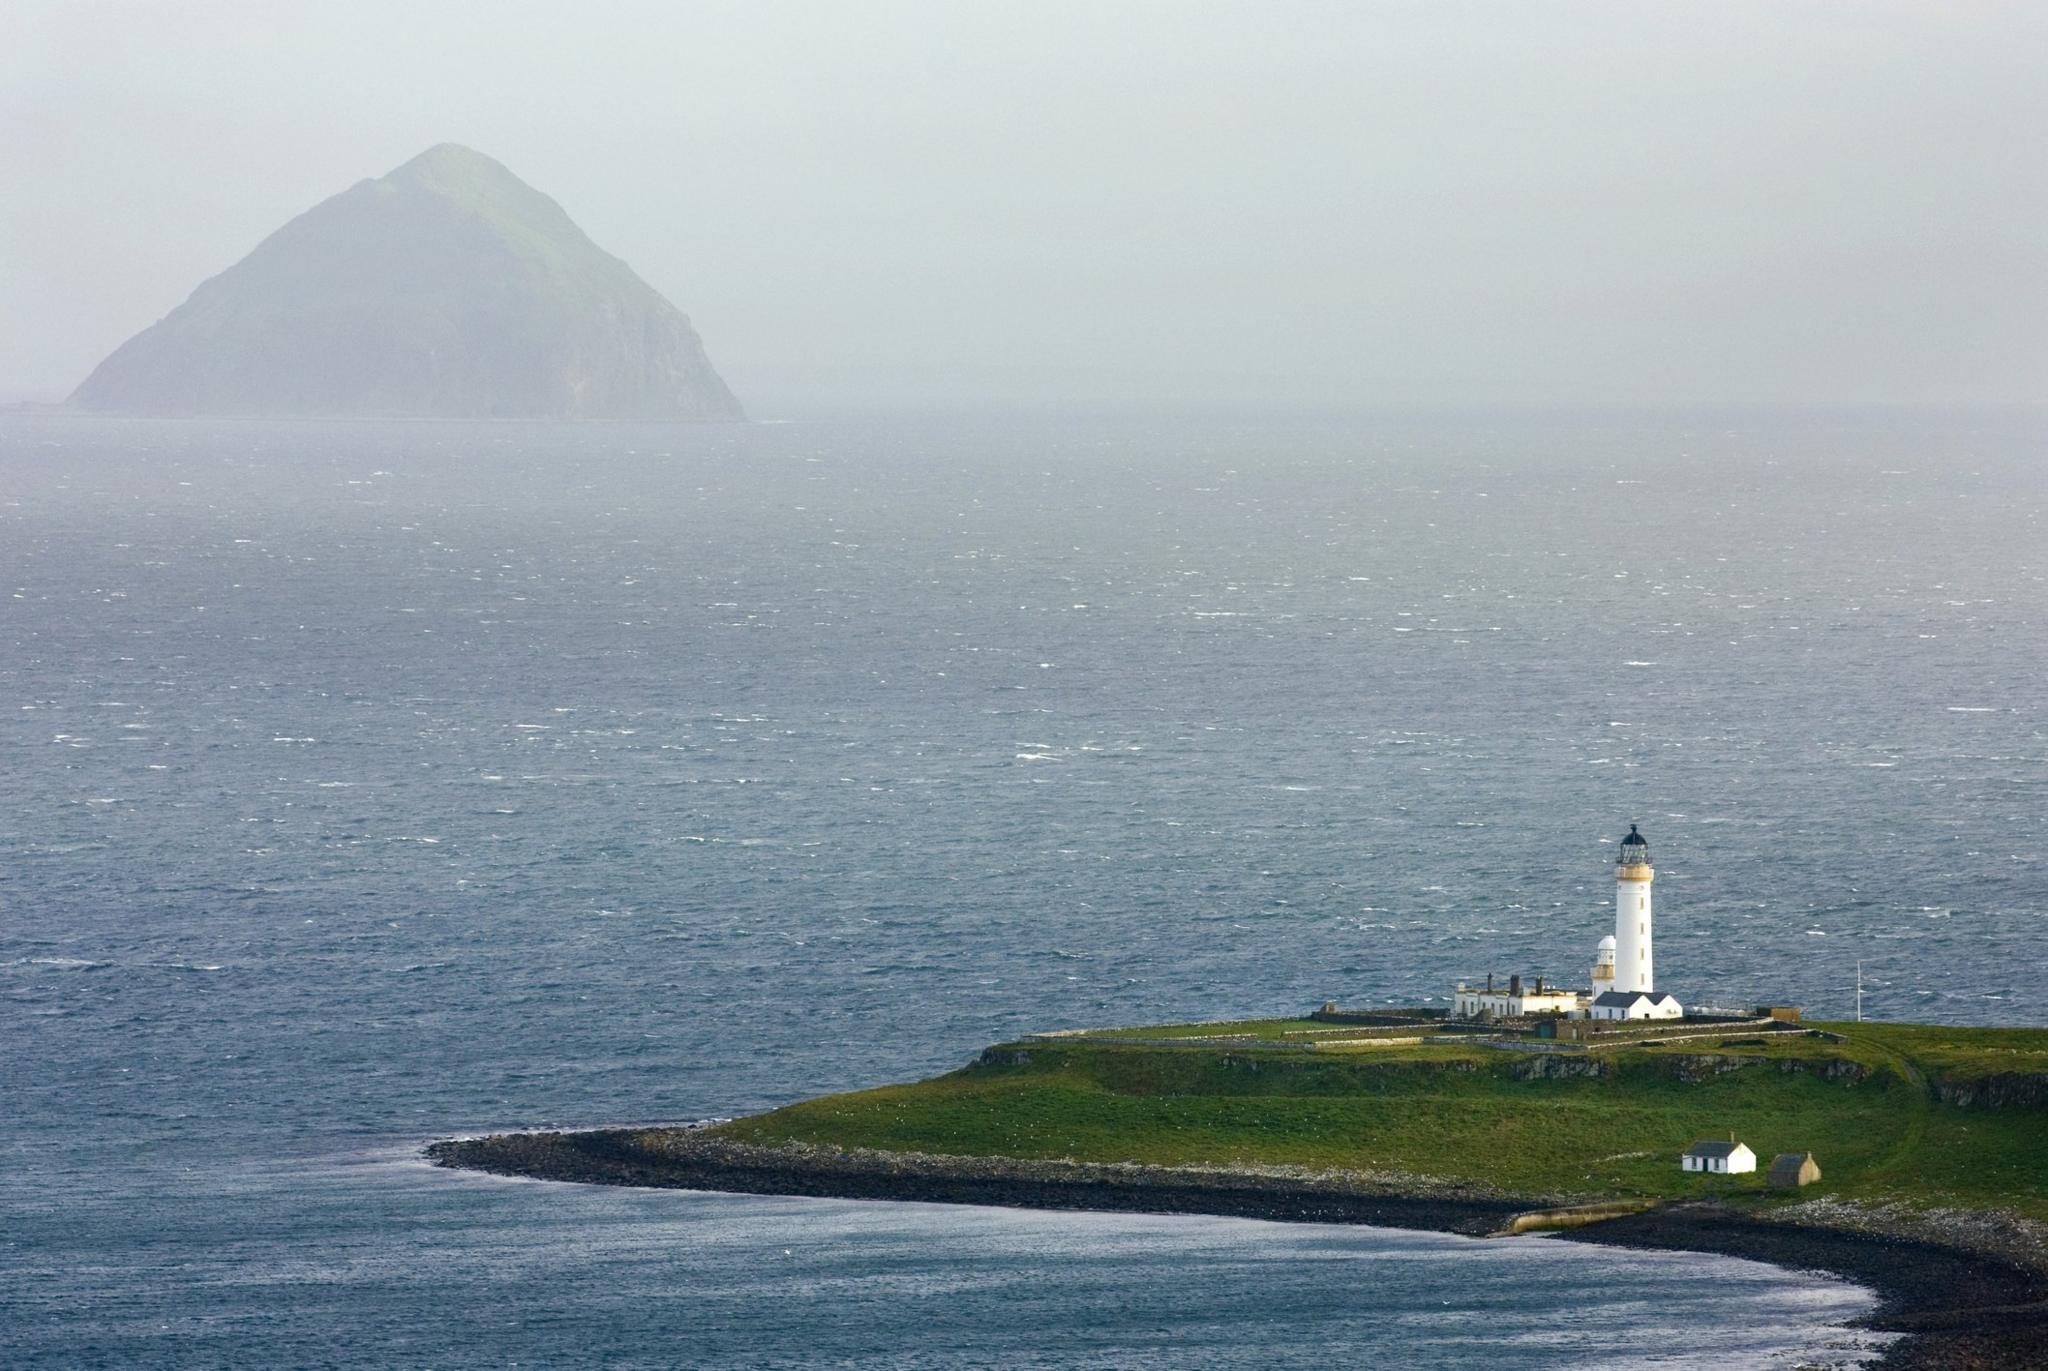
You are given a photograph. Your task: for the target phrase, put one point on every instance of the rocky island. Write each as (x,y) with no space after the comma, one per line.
(448,289)
(1931,1139)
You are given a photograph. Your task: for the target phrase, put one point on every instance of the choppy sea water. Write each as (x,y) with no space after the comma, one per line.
(369,783)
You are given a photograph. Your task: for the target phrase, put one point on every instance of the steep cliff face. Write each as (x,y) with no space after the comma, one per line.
(447,289)
(2002,1090)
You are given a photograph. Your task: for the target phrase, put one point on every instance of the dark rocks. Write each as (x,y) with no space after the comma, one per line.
(1962,1288)
(1963,1301)
(1558,1066)
(688,1159)
(1967,1289)
(2003,1090)
(1839,1070)
(1694,1069)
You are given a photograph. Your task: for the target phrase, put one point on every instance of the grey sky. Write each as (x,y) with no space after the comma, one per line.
(1367,202)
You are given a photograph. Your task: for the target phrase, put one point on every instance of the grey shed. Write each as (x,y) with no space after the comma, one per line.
(1790,1170)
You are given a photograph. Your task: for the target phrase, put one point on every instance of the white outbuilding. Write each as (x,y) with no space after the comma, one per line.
(1720,1158)
(1634,1004)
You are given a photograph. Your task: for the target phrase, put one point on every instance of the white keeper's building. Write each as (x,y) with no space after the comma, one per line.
(1513,1000)
(1729,1158)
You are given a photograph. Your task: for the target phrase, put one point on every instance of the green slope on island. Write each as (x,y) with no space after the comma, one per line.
(448,288)
(1928,1115)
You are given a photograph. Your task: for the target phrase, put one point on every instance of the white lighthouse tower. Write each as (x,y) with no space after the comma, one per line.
(1635,968)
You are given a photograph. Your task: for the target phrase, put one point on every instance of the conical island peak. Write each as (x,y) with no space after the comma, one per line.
(448,288)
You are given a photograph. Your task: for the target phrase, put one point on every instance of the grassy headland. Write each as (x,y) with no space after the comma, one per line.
(1933,1143)
(1893,1112)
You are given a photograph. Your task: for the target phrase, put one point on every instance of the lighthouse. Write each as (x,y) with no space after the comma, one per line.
(1624,972)
(1635,968)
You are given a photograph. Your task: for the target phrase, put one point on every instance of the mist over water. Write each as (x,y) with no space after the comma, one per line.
(369,783)
(1337,204)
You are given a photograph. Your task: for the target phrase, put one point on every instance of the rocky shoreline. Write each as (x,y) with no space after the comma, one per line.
(1968,1291)
(1965,1299)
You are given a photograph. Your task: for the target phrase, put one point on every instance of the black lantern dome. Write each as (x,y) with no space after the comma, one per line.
(1635,849)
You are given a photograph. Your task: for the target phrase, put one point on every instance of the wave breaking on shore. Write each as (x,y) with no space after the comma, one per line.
(1966,1291)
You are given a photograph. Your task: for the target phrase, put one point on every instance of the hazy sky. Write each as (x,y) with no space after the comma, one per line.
(1366,202)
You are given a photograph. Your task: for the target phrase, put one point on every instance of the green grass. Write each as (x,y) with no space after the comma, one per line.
(1957,1053)
(1464,1112)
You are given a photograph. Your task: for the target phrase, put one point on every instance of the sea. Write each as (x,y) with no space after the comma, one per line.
(366,784)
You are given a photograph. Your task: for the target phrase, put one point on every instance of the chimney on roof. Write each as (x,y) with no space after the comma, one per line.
(1515,984)
(1539,985)
(1489,981)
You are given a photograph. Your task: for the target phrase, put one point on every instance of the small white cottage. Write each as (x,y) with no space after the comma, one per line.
(1721,1158)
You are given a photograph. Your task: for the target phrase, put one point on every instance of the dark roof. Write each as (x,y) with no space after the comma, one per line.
(1634,839)
(1712,1149)
(1626,997)
(1630,996)
(1790,1161)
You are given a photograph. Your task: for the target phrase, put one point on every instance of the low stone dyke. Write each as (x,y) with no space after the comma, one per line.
(1303,1040)
(1275,1044)
(1385,1017)
(1681,1030)
(1542,1046)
